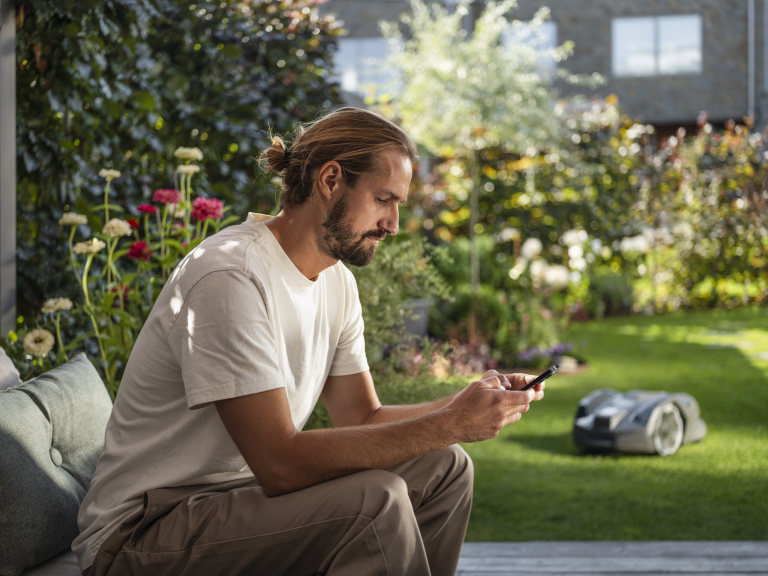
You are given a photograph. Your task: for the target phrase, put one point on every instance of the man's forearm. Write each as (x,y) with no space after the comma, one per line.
(319,455)
(385,414)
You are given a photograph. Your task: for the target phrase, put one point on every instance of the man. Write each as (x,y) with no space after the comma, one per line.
(205,468)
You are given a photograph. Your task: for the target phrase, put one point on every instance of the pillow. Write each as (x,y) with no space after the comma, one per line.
(9,376)
(51,434)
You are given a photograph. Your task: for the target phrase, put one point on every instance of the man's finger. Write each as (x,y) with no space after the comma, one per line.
(513,397)
(491,382)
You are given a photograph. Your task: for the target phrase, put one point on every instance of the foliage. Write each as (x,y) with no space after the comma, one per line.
(120,273)
(123,83)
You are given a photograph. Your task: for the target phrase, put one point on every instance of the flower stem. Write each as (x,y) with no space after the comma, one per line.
(205,228)
(72,254)
(58,335)
(106,203)
(85,278)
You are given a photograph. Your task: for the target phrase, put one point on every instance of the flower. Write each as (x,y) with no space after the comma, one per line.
(190,169)
(56,305)
(38,342)
(139,251)
(175,211)
(203,208)
(122,293)
(556,277)
(531,248)
(89,247)
(72,219)
(134,223)
(167,196)
(117,227)
(147,208)
(188,153)
(109,174)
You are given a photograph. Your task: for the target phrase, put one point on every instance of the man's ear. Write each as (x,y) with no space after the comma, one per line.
(330,179)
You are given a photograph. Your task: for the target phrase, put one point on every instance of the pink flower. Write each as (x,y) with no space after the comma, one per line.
(167,196)
(147,208)
(134,223)
(203,208)
(139,251)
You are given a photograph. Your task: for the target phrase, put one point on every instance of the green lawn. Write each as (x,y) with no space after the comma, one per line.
(533,483)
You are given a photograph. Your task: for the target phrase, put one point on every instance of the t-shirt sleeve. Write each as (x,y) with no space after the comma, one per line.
(349,357)
(223,341)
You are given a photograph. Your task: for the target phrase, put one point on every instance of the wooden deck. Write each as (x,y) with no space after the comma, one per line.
(604,558)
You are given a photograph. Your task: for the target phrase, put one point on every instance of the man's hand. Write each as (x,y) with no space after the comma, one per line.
(486,406)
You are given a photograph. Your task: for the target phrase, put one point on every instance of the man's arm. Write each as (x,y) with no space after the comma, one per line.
(352,400)
(285,459)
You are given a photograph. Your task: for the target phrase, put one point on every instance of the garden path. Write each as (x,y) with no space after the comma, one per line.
(614,558)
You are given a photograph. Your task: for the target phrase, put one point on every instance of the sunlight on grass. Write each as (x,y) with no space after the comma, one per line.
(533,483)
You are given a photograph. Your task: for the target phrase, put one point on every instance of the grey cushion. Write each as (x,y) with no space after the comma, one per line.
(9,376)
(51,434)
(65,564)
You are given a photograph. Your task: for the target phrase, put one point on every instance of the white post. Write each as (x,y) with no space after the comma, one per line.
(751,58)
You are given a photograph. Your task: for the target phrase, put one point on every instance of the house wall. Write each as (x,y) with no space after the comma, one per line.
(721,89)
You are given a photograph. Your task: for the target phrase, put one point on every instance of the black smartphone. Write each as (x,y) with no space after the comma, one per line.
(539,379)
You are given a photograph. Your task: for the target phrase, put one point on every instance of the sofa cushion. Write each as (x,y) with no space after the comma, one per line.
(51,433)
(9,375)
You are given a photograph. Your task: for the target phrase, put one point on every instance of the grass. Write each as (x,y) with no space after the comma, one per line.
(533,483)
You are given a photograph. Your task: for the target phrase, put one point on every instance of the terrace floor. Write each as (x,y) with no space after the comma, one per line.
(614,558)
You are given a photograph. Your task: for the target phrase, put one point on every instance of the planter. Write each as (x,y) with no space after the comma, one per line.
(419,310)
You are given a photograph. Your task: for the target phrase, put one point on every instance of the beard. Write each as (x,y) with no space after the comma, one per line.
(340,241)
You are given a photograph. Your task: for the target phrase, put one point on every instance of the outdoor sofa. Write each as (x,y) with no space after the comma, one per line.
(51,434)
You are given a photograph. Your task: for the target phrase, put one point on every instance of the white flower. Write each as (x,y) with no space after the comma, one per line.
(531,248)
(188,153)
(89,247)
(518,268)
(176,211)
(72,219)
(539,270)
(573,237)
(38,342)
(576,251)
(109,174)
(190,169)
(634,244)
(509,234)
(579,264)
(556,277)
(117,227)
(56,305)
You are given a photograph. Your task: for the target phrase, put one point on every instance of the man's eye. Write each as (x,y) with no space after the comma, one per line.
(382,200)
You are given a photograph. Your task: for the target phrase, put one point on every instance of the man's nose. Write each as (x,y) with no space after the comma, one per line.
(391,222)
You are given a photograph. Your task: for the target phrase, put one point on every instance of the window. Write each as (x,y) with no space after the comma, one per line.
(360,64)
(657,45)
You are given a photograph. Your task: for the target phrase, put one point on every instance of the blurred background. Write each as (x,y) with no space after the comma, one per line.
(591,191)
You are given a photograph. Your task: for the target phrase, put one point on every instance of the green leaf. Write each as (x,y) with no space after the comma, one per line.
(232,51)
(145,99)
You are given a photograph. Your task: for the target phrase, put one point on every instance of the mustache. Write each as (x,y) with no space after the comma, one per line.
(379,234)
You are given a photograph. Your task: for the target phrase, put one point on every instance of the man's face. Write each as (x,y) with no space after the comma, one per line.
(363,216)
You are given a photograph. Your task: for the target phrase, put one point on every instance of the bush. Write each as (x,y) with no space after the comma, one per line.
(122,83)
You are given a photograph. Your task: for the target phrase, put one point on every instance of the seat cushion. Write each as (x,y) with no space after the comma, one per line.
(65,564)
(9,375)
(51,434)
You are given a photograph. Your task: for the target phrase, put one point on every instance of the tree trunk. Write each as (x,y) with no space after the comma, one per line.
(474,259)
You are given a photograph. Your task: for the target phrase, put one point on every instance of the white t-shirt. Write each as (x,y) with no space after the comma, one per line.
(236,317)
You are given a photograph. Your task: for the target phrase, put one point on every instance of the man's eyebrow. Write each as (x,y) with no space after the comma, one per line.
(391,194)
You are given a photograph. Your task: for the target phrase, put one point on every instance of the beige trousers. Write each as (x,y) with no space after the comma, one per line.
(408,520)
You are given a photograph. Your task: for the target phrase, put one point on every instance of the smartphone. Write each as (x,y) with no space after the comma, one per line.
(539,379)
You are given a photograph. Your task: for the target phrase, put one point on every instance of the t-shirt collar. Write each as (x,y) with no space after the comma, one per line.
(283,261)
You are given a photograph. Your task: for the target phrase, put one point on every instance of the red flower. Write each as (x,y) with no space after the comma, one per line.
(167,196)
(134,223)
(147,208)
(122,292)
(139,251)
(203,208)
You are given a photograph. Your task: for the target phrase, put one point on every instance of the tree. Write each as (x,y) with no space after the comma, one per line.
(462,93)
